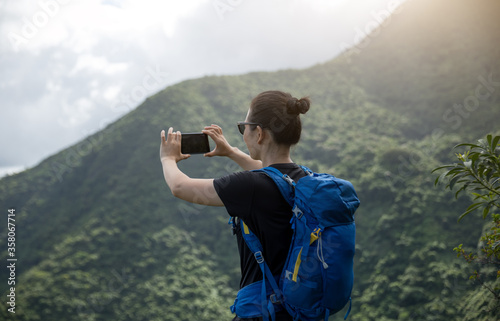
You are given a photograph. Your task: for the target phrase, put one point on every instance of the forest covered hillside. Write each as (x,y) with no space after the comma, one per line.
(100,237)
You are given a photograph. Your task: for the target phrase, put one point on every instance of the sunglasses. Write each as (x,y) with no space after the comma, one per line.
(241,126)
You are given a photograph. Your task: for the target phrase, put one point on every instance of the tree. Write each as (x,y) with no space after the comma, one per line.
(478,174)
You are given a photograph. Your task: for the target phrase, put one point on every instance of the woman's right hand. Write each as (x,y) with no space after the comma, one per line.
(222,147)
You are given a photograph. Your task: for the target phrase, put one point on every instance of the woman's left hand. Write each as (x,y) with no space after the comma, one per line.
(170,147)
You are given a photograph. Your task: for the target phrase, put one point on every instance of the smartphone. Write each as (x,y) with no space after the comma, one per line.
(194,143)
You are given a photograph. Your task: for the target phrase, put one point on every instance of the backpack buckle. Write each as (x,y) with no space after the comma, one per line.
(274,299)
(259,257)
(298,213)
(289,180)
(233,225)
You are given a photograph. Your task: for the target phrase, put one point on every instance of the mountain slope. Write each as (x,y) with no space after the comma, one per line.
(448,49)
(101,238)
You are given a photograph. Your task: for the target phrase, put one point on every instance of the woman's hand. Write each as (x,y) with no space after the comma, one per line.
(222,147)
(170,147)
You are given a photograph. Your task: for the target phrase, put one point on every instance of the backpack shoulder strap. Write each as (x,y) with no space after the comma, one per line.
(255,246)
(284,182)
(306,170)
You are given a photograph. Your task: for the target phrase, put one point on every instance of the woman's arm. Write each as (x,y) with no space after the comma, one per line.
(222,148)
(200,191)
(244,160)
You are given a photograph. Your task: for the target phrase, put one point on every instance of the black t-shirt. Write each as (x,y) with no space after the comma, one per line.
(256,199)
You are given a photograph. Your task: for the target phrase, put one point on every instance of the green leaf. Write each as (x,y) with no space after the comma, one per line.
(467,144)
(487,173)
(441,167)
(470,209)
(492,158)
(486,210)
(457,170)
(474,206)
(453,181)
(477,195)
(454,175)
(462,216)
(439,178)
(461,189)
(494,143)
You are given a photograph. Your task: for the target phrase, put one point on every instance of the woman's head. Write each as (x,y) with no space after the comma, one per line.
(279,113)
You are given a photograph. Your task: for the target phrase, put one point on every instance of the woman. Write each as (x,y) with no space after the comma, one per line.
(271,127)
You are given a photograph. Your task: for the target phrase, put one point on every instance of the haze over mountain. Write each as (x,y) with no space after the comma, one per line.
(100,237)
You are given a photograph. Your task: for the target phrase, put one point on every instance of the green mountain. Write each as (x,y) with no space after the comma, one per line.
(100,237)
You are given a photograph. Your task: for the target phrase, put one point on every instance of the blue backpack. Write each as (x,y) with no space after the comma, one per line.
(317,278)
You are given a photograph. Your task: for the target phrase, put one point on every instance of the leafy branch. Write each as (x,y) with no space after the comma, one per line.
(477,172)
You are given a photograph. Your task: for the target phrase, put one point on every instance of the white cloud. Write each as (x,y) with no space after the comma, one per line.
(76,113)
(81,64)
(150,13)
(111,93)
(90,63)
(9,170)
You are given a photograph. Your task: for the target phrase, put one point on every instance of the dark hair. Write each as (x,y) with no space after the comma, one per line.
(279,112)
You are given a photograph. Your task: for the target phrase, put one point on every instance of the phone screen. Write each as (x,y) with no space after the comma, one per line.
(194,143)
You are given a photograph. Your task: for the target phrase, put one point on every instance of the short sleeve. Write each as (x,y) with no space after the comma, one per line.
(236,192)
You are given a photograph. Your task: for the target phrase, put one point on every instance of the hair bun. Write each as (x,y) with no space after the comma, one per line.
(296,106)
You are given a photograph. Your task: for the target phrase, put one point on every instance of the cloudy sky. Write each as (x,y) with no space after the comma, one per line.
(70,67)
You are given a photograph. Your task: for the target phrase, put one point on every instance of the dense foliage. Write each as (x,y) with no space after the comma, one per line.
(478,173)
(100,237)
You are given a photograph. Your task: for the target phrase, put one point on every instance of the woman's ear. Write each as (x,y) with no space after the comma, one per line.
(261,135)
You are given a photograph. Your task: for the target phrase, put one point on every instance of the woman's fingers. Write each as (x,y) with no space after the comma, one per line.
(210,132)
(171,145)
(210,154)
(169,135)
(214,131)
(215,128)
(173,137)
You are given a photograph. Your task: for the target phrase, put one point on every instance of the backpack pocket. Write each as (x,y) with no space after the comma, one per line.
(338,251)
(303,280)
